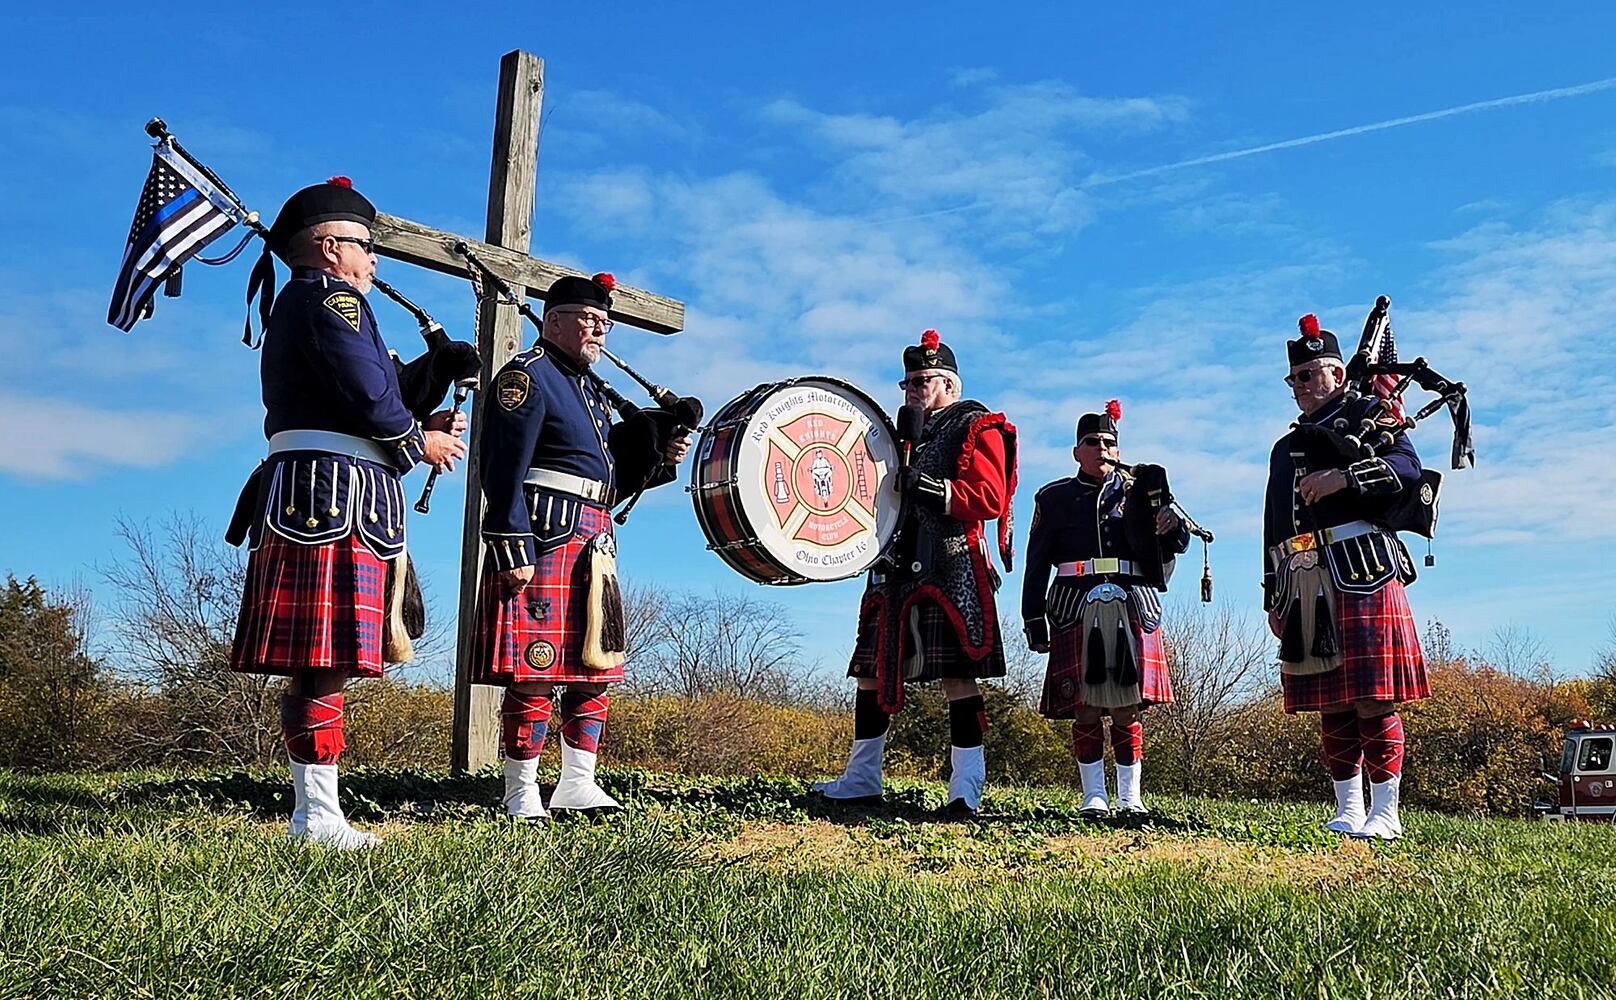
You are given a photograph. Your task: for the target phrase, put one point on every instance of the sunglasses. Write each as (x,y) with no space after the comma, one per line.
(1304,376)
(1098,442)
(918,382)
(367,245)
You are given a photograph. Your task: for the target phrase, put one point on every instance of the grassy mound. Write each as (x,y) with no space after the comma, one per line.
(161,884)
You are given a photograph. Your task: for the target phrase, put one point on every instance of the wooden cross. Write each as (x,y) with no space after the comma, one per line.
(512,184)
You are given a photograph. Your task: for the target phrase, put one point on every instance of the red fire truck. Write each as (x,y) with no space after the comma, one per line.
(1587,777)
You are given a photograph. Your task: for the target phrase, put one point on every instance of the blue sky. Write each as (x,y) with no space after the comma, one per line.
(820,187)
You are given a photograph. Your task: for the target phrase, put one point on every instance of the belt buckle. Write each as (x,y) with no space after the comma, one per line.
(1306,542)
(1107,565)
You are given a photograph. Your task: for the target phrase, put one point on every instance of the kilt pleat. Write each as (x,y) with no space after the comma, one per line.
(1063,677)
(311,607)
(1381,658)
(538,635)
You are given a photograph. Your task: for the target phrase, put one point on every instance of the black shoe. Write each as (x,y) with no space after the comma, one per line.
(957,809)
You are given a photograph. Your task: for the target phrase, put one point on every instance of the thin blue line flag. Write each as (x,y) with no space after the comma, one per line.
(180,212)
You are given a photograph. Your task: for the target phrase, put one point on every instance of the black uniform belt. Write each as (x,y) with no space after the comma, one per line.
(592,490)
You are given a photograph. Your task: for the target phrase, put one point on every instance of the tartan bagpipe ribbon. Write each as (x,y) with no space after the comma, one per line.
(179,213)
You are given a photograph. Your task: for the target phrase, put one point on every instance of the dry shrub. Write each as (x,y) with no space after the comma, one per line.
(393,723)
(1473,746)
(724,735)
(1021,746)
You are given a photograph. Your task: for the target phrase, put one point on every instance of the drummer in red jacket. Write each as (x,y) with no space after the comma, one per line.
(928,611)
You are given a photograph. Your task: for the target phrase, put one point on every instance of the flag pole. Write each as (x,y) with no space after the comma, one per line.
(158,129)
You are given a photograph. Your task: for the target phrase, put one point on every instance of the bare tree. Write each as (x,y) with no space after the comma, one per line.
(1517,651)
(1218,659)
(1024,669)
(694,644)
(174,617)
(644,608)
(1438,644)
(1605,655)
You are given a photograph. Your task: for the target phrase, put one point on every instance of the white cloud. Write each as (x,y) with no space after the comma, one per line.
(1014,159)
(59,439)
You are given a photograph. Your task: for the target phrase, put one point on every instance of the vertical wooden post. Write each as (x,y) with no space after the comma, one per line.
(512,182)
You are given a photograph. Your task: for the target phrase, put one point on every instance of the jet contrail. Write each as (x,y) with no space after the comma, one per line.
(1308,140)
(1100,180)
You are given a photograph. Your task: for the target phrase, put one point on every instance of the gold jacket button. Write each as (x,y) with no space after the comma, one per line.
(290,510)
(332,512)
(372,518)
(313,522)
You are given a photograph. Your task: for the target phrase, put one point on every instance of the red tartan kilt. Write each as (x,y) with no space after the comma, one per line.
(1380,656)
(1063,678)
(945,655)
(311,607)
(551,610)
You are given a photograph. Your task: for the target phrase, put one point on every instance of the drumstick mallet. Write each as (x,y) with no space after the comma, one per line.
(911,421)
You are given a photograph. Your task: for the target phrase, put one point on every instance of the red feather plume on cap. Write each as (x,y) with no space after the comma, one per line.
(1309,325)
(605,280)
(929,340)
(1113,409)
(340,181)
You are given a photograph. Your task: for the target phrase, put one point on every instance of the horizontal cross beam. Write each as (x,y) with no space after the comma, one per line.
(431,248)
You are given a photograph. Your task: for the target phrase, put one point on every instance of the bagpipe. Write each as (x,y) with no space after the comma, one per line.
(642,435)
(1373,372)
(1147,495)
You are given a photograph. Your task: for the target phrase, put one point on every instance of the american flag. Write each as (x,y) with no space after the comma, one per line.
(180,212)
(1386,354)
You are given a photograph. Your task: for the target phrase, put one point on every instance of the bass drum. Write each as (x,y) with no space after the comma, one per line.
(793,482)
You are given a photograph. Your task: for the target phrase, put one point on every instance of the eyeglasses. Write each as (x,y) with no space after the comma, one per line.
(1304,376)
(1093,441)
(918,382)
(367,245)
(589,320)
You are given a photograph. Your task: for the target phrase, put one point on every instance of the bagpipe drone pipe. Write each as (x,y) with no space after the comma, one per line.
(1374,373)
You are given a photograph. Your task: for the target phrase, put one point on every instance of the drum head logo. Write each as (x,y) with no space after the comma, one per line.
(811,474)
(820,480)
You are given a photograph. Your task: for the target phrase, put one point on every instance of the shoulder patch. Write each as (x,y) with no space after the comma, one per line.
(512,387)
(346,305)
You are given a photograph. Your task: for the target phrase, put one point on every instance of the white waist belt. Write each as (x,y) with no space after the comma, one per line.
(333,442)
(1096,567)
(592,490)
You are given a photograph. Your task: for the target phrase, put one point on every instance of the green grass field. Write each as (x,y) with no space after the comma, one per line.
(165,885)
